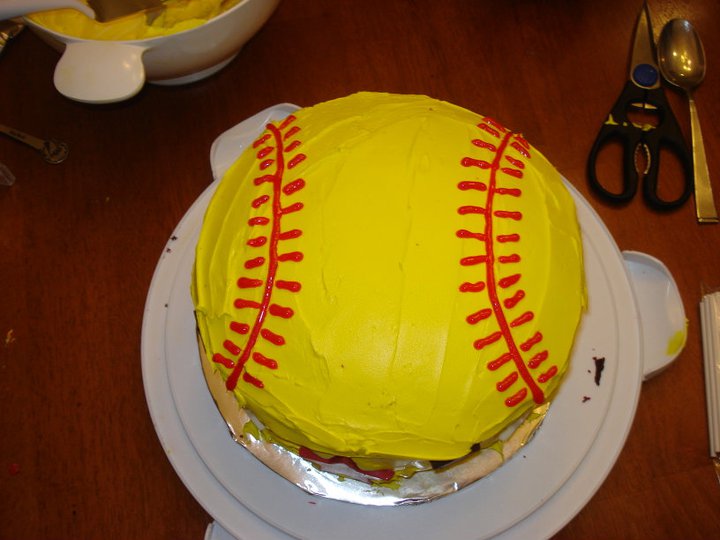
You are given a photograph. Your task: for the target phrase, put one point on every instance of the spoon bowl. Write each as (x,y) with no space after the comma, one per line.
(681,55)
(682,62)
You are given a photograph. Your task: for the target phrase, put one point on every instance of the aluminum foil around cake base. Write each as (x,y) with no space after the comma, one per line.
(339,483)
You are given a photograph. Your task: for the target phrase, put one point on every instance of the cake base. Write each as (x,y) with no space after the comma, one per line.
(415,482)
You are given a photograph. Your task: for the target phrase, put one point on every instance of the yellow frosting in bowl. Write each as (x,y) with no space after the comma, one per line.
(389,276)
(176,16)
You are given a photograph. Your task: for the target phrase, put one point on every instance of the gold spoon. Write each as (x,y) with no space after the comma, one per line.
(682,62)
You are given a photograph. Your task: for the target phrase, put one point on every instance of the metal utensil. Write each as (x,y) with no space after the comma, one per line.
(53,151)
(8,30)
(682,62)
(642,143)
(100,10)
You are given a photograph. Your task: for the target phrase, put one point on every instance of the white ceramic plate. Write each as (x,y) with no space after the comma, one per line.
(219,472)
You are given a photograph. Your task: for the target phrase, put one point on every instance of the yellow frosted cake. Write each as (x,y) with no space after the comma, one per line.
(388,276)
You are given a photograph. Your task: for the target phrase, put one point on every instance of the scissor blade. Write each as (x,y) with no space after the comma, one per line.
(643,66)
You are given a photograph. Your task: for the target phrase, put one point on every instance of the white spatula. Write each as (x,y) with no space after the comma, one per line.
(100,10)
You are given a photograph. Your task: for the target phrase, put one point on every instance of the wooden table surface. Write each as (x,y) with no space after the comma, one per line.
(79,241)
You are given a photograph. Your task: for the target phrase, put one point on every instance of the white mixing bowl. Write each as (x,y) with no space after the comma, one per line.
(94,71)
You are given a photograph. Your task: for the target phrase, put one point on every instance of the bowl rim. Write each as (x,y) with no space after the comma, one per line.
(68,38)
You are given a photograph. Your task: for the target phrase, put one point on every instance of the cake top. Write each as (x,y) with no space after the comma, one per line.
(389,275)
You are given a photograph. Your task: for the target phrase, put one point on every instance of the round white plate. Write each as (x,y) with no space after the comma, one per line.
(220,472)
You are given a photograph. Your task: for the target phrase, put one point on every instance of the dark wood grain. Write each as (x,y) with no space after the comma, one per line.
(79,457)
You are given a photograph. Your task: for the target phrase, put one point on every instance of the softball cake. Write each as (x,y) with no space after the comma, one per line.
(386,277)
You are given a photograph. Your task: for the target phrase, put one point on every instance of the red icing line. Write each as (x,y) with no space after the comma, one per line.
(513,192)
(289,119)
(280,311)
(522,319)
(231,347)
(220,359)
(484,342)
(270,242)
(240,328)
(488,129)
(515,162)
(292,131)
(472,261)
(287,235)
(292,146)
(538,359)
(495,285)
(292,187)
(263,179)
(530,343)
(257,203)
(503,359)
(549,374)
(257,242)
(523,150)
(252,380)
(462,233)
(471,210)
(294,256)
(511,302)
(518,397)
(272,337)
(293,286)
(502,238)
(509,281)
(507,382)
(264,360)
(517,216)
(292,208)
(504,259)
(241,303)
(484,144)
(294,162)
(254,263)
(382,474)
(468,185)
(261,140)
(472,287)
(479,316)
(512,172)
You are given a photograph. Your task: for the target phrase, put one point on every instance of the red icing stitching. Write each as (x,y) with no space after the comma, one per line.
(271,152)
(502,299)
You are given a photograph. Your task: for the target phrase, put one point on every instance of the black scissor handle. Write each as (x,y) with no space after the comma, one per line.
(650,139)
(668,136)
(609,133)
(618,128)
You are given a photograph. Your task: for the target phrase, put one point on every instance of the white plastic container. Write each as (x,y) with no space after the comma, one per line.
(94,71)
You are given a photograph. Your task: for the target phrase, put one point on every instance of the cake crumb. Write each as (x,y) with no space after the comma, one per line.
(585,399)
(10,337)
(599,366)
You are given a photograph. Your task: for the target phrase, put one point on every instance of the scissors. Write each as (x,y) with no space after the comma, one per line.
(641,141)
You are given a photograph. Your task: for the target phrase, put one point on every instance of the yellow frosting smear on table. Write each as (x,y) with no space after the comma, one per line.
(176,16)
(388,275)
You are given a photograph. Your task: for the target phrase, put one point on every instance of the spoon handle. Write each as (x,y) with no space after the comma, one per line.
(704,204)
